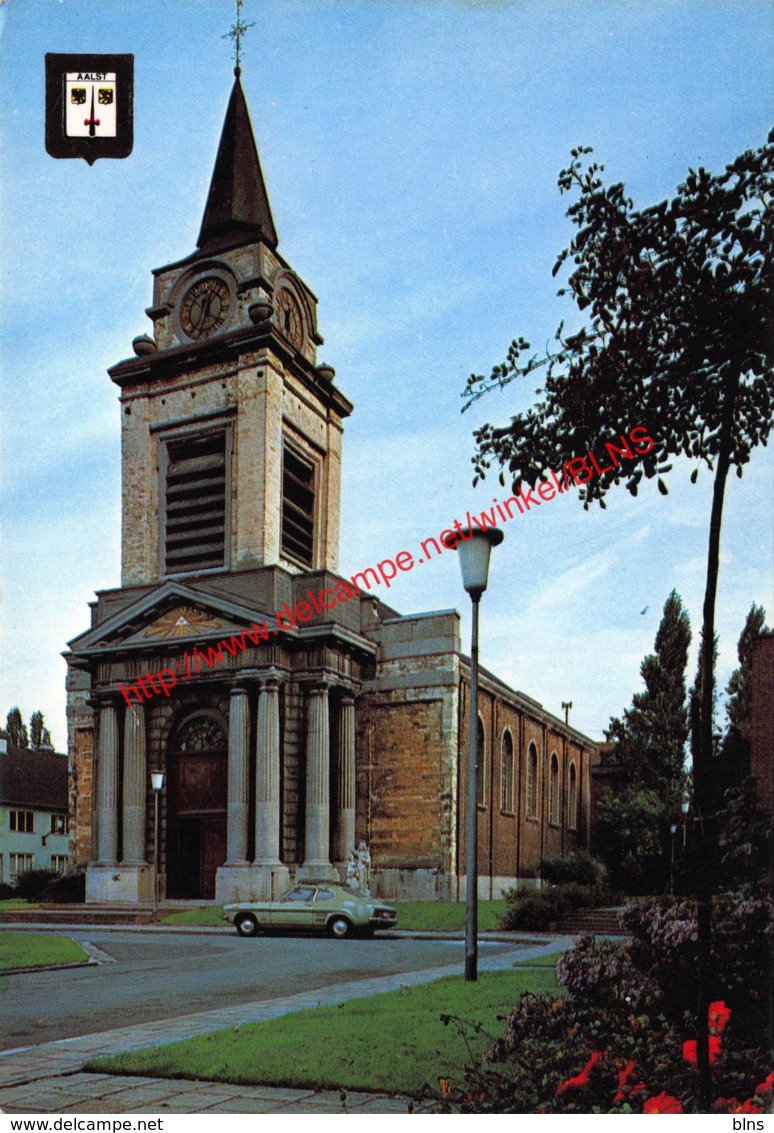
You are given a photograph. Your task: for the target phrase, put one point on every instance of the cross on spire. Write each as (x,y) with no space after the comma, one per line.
(237,30)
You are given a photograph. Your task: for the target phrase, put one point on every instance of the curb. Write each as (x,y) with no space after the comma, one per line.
(494,936)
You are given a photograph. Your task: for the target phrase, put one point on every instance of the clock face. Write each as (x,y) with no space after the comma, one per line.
(204,308)
(289,318)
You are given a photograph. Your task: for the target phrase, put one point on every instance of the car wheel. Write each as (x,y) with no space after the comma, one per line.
(339,927)
(247,925)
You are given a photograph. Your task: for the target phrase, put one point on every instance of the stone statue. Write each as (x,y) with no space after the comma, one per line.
(352,878)
(363,867)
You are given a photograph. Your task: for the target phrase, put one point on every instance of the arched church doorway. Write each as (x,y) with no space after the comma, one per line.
(197,760)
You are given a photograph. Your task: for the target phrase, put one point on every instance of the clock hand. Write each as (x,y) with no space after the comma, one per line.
(92,130)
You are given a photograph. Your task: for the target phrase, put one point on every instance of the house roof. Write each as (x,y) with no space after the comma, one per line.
(34,779)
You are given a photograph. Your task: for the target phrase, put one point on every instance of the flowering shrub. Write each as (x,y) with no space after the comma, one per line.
(569,1056)
(601,971)
(663,949)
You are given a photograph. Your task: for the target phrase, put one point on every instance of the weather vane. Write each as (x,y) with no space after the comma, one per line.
(237,30)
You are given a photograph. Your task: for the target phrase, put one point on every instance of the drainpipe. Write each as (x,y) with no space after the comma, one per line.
(491,797)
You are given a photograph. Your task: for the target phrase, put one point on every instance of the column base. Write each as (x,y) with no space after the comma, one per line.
(251,882)
(122,884)
(317,871)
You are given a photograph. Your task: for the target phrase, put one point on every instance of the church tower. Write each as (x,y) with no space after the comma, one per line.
(231,470)
(231,433)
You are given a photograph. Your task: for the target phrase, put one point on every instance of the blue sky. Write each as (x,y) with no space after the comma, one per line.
(411,149)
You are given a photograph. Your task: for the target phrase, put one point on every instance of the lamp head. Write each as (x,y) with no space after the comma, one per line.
(474,547)
(157,780)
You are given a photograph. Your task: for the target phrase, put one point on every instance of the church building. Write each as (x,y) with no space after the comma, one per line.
(284,741)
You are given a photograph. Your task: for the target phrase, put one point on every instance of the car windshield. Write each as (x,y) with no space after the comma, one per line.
(352,892)
(298,894)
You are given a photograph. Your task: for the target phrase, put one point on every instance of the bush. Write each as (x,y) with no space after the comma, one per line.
(600,971)
(66,890)
(579,868)
(31,883)
(574,1056)
(624,1039)
(533,910)
(6,891)
(663,943)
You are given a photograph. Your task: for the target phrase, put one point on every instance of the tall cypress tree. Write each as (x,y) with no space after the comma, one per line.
(16,729)
(735,747)
(652,735)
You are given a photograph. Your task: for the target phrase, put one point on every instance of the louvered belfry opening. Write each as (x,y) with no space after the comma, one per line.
(297,506)
(195,531)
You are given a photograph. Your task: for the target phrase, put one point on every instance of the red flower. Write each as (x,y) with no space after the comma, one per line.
(625,1087)
(766,1085)
(749,1106)
(689,1050)
(733,1105)
(582,1079)
(663,1103)
(718,1016)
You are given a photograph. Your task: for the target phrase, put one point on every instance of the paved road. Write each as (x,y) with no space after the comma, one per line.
(158,975)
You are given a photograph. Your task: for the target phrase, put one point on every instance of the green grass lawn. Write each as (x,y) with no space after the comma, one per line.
(416,915)
(447,915)
(549,960)
(16,903)
(394,1042)
(30,949)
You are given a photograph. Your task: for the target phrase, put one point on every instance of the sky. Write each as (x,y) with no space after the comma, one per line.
(411,150)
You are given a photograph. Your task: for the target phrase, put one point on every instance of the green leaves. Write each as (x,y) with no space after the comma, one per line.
(677,299)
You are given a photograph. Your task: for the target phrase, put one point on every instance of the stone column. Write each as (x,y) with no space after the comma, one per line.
(238,744)
(107,786)
(135,786)
(267,776)
(345,778)
(318,755)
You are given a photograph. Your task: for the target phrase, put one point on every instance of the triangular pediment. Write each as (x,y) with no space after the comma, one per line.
(172,614)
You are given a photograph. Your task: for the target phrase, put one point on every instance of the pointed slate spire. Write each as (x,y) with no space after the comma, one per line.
(238,204)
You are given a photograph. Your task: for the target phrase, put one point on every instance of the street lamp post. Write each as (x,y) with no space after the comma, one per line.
(684,807)
(672,831)
(157,782)
(474,548)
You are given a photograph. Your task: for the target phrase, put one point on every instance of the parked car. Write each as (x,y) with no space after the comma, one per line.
(313,907)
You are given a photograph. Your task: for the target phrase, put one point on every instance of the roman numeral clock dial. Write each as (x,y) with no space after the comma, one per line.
(204,308)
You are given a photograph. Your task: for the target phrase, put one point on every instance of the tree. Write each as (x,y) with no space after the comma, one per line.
(650,740)
(39,733)
(16,730)
(679,338)
(735,747)
(627,838)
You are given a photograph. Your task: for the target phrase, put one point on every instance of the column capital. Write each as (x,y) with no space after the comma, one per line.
(238,690)
(346,697)
(269,678)
(105,700)
(319,687)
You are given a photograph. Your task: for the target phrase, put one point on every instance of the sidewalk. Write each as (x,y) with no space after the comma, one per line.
(49,1078)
